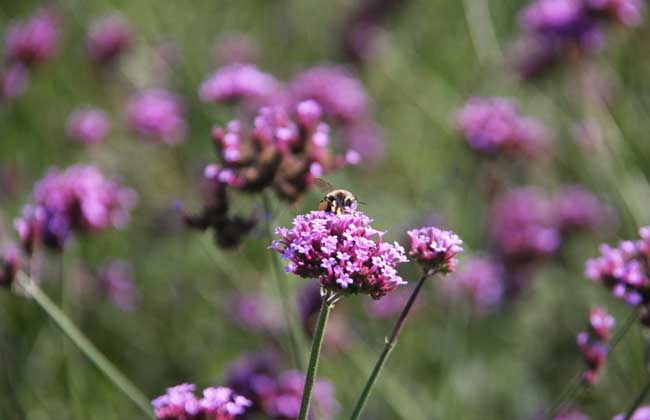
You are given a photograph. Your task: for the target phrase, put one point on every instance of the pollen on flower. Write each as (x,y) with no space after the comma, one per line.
(342,251)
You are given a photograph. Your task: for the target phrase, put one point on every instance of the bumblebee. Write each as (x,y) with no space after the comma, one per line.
(336,200)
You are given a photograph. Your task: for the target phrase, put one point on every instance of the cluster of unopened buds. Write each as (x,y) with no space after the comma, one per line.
(594,343)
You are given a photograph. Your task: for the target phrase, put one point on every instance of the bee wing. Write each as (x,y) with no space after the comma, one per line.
(323,185)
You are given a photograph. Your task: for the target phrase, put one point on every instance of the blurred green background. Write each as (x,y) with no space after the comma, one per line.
(450,363)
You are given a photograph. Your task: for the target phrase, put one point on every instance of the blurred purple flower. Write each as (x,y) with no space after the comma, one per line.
(342,251)
(579,209)
(33,41)
(522,225)
(79,198)
(108,38)
(494,125)
(593,343)
(571,414)
(236,48)
(14,80)
(235,82)
(116,280)
(341,95)
(366,139)
(158,115)
(641,413)
(88,125)
(481,280)
(623,269)
(256,312)
(180,403)
(625,12)
(435,249)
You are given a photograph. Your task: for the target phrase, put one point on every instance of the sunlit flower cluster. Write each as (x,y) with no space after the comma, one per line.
(180,403)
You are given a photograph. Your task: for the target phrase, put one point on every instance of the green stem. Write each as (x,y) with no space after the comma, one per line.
(637,402)
(297,337)
(388,348)
(314,357)
(79,339)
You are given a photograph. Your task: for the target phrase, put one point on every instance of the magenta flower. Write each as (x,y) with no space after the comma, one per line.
(342,251)
(13,81)
(180,403)
(593,343)
(88,126)
(641,413)
(435,249)
(342,96)
(108,38)
(79,198)
(494,125)
(116,280)
(34,40)
(522,225)
(578,209)
(157,115)
(481,280)
(623,269)
(236,82)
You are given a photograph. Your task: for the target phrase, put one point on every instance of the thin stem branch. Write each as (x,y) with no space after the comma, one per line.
(79,339)
(297,337)
(638,401)
(314,358)
(388,348)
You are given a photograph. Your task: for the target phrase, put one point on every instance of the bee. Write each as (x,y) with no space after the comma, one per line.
(336,199)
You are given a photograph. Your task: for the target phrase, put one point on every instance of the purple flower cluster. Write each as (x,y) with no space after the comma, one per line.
(108,38)
(624,269)
(557,28)
(256,312)
(435,249)
(481,280)
(283,151)
(523,226)
(88,126)
(77,199)
(277,395)
(593,343)
(578,209)
(157,115)
(13,81)
(116,281)
(641,413)
(236,82)
(495,126)
(33,41)
(180,403)
(342,251)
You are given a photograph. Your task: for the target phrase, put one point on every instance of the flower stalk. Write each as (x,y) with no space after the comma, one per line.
(388,347)
(122,383)
(327,304)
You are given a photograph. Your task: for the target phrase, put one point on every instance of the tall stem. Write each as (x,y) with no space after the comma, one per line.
(316,344)
(297,337)
(638,401)
(79,339)
(388,348)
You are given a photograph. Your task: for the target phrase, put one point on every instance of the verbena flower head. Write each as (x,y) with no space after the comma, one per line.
(157,115)
(435,249)
(217,403)
(116,281)
(641,413)
(522,225)
(108,38)
(340,94)
(237,81)
(579,209)
(88,125)
(593,343)
(14,80)
(79,198)
(33,41)
(481,280)
(344,252)
(623,269)
(494,125)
